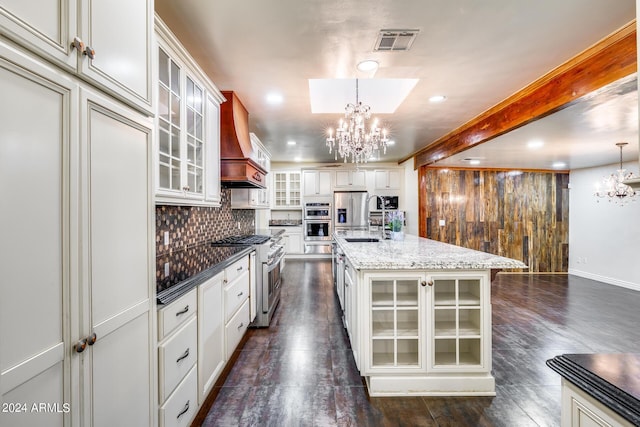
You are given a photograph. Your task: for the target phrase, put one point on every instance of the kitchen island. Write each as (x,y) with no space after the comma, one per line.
(417,313)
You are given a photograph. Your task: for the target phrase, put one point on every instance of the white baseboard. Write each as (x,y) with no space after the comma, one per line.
(605,279)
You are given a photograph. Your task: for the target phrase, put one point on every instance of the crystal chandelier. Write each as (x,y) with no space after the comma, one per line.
(614,188)
(353,139)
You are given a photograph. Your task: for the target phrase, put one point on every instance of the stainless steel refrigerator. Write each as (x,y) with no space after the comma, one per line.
(350,210)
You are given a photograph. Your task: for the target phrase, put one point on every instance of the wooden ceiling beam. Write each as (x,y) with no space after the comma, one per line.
(605,62)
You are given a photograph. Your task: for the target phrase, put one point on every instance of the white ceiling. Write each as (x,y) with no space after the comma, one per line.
(475,53)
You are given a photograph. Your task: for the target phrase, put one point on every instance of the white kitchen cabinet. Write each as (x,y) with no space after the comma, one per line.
(388,179)
(317,183)
(188,123)
(180,408)
(351,180)
(97,278)
(254,198)
(250,198)
(253,286)
(420,332)
(457,320)
(93,289)
(119,276)
(117,61)
(36,315)
(211,357)
(395,340)
(292,238)
(350,315)
(237,311)
(177,354)
(286,187)
(582,410)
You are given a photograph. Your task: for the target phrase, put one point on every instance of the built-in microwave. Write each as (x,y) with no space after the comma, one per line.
(390,202)
(317,211)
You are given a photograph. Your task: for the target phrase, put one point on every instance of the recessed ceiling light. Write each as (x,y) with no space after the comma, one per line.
(274,98)
(367,65)
(291,143)
(558,165)
(535,144)
(437,98)
(474,162)
(297,159)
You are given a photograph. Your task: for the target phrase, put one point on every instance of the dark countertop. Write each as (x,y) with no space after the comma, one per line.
(611,379)
(285,223)
(191,266)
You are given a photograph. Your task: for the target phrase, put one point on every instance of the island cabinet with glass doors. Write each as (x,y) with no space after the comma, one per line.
(425,332)
(421,318)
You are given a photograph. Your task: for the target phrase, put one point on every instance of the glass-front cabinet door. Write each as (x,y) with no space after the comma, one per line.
(458,322)
(195,137)
(286,189)
(395,322)
(188,121)
(169,123)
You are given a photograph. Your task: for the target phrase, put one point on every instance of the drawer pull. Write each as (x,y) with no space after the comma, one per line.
(241,325)
(184,310)
(239,268)
(184,411)
(240,294)
(184,356)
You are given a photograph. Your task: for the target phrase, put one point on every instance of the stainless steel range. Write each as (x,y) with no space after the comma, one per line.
(269,266)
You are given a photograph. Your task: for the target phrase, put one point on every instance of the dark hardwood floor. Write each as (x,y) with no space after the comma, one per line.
(300,372)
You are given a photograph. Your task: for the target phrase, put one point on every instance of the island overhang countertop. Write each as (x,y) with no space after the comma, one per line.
(416,253)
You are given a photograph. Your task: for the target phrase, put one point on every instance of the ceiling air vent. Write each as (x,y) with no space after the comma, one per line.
(395,40)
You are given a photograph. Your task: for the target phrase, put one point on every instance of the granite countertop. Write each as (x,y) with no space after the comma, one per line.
(416,253)
(611,379)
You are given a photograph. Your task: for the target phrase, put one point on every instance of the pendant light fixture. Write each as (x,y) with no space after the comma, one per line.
(354,138)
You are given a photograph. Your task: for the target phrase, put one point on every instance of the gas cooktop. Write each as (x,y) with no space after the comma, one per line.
(249,239)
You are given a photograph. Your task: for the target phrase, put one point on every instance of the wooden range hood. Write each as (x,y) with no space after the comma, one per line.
(237,168)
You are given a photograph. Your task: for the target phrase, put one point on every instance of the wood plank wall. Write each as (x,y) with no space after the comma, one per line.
(517,214)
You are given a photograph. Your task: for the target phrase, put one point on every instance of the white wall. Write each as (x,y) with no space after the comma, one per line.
(410,196)
(604,238)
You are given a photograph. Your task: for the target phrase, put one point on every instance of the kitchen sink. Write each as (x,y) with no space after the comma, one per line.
(361,239)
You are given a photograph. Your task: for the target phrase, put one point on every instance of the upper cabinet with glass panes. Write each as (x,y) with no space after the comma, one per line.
(188,121)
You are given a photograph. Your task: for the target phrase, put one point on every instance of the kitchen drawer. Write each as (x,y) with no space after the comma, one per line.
(236,269)
(176,356)
(174,314)
(235,294)
(235,328)
(182,405)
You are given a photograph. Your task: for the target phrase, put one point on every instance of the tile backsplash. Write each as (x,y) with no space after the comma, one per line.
(189,226)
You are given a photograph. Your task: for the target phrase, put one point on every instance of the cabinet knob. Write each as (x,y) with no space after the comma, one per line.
(77,44)
(425,283)
(90,52)
(91,339)
(80,345)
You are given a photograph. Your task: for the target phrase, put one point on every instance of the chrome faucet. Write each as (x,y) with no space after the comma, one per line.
(383,231)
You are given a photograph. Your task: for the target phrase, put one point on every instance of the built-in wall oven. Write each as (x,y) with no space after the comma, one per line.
(317,227)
